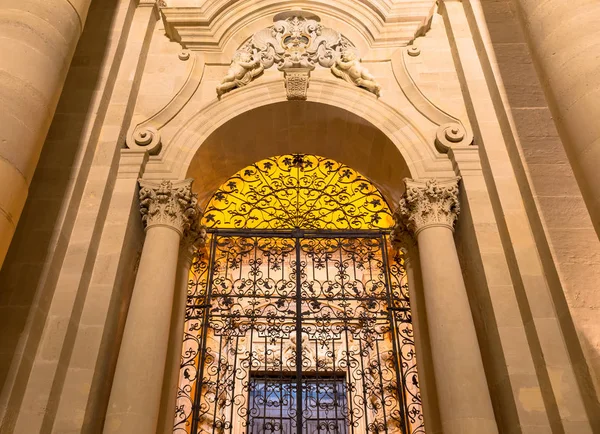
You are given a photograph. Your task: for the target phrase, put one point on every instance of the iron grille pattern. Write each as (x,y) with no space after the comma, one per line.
(298,191)
(295,309)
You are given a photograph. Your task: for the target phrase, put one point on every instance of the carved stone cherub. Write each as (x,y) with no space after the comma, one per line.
(243,69)
(349,68)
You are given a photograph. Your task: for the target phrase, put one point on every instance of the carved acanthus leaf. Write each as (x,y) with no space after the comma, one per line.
(168,203)
(429,202)
(402,238)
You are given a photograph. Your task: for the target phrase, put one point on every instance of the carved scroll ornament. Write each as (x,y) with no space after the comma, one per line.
(296,42)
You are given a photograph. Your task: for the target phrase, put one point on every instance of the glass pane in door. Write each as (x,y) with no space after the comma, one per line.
(272,405)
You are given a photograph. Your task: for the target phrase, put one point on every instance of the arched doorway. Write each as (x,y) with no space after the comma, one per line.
(298,317)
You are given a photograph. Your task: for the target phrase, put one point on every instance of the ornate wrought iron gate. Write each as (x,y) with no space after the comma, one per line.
(291,331)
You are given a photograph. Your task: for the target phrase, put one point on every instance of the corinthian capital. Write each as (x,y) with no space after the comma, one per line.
(167,203)
(429,202)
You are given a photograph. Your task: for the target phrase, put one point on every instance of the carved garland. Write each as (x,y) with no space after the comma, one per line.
(297,42)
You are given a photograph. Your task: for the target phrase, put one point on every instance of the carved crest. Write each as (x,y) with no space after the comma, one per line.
(296,41)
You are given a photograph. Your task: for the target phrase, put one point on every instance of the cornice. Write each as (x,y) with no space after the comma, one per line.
(211,25)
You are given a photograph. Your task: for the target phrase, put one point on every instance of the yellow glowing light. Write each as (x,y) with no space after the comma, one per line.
(298,191)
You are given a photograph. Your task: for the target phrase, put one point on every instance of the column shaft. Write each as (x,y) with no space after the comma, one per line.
(429,209)
(564,41)
(136,392)
(464,399)
(37,42)
(135,399)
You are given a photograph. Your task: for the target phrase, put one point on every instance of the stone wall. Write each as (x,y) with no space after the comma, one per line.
(569,247)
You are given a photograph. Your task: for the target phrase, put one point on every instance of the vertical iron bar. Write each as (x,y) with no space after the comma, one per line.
(218,384)
(235,357)
(394,335)
(346,330)
(385,422)
(205,317)
(252,384)
(299,403)
(365,398)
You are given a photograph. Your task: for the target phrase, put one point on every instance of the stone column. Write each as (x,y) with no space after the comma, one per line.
(564,40)
(37,42)
(167,209)
(429,210)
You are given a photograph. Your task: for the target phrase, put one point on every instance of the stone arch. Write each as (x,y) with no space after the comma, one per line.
(404,147)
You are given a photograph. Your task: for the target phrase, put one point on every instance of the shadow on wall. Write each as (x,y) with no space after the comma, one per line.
(56,188)
(558,198)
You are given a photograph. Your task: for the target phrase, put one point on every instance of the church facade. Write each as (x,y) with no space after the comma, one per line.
(267,216)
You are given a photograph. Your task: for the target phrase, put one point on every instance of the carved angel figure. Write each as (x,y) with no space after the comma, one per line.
(243,69)
(348,68)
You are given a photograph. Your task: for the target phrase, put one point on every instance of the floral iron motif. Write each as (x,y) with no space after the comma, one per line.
(298,191)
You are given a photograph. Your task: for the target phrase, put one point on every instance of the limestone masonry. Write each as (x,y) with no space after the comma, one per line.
(472,126)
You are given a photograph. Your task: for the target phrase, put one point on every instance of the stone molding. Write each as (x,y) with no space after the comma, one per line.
(429,202)
(211,26)
(421,155)
(452,132)
(168,203)
(146,134)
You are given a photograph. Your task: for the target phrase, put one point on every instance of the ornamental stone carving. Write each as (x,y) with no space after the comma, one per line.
(348,68)
(296,41)
(169,204)
(244,67)
(193,238)
(429,202)
(402,238)
(296,83)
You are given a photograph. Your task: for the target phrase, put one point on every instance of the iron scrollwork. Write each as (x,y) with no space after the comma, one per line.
(298,191)
(298,315)
(290,331)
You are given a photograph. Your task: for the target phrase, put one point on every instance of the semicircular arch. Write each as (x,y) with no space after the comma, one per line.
(415,156)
